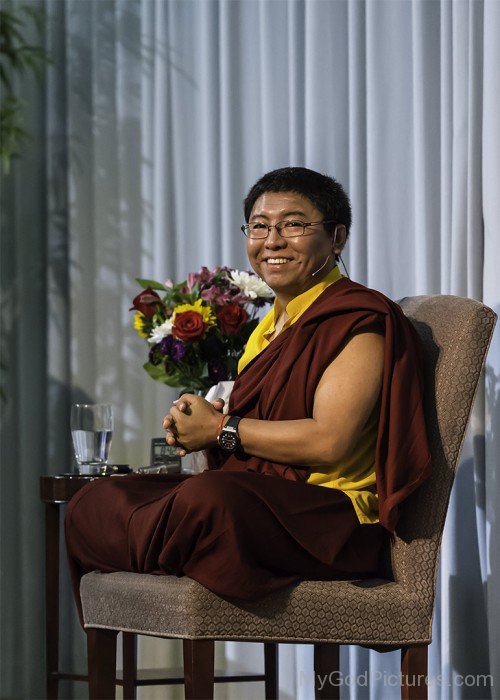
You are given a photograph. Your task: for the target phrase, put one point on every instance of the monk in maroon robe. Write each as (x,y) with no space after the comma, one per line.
(251,523)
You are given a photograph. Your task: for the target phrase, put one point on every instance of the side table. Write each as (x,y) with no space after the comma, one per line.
(56,491)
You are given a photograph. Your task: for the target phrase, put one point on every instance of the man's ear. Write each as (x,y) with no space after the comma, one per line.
(339,239)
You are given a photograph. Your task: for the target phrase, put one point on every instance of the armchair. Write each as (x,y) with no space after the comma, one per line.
(382,614)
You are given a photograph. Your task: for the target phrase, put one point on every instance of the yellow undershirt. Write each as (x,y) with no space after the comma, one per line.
(354,475)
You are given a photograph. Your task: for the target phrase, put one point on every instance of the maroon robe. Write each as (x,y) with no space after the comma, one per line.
(279,384)
(243,535)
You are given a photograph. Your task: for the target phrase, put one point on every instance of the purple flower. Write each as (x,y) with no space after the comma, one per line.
(217,370)
(203,278)
(216,295)
(192,279)
(173,348)
(240,298)
(210,294)
(225,298)
(205,275)
(178,351)
(165,345)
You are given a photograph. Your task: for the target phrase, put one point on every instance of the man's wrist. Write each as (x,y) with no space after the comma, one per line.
(221,422)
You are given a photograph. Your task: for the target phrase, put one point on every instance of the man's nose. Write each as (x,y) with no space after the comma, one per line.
(274,240)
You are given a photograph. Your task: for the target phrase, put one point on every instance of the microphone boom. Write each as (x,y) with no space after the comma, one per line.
(322,266)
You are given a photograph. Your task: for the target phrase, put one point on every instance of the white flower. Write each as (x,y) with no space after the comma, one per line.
(158,333)
(251,285)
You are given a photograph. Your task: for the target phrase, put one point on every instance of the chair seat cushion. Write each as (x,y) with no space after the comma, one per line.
(372,612)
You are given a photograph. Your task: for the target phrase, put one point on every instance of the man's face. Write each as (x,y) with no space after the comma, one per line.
(287,264)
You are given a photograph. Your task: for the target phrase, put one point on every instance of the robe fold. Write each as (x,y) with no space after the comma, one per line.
(280,382)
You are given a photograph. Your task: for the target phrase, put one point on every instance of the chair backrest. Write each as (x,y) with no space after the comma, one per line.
(456,333)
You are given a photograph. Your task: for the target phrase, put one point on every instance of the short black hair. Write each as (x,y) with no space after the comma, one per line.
(327,195)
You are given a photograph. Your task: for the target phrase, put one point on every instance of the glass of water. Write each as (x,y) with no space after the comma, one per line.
(91,429)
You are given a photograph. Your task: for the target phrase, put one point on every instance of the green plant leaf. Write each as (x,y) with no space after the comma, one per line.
(151,283)
(37,15)
(157,372)
(17,56)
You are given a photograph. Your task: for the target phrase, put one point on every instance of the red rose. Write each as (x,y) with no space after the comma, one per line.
(146,302)
(232,318)
(188,326)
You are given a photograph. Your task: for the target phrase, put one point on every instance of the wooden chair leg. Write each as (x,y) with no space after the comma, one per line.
(198,669)
(129,642)
(271,670)
(101,653)
(414,672)
(326,672)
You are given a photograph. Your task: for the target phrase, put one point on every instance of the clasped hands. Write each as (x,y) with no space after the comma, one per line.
(192,423)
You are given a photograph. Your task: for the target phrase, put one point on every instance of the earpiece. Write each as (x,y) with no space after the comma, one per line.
(336,255)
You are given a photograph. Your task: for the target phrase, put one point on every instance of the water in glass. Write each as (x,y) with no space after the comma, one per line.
(91,429)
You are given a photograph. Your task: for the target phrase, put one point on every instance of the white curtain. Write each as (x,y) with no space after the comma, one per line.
(160,114)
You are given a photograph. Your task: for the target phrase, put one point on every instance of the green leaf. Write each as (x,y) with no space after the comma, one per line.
(4,78)
(37,15)
(6,163)
(17,56)
(151,283)
(157,372)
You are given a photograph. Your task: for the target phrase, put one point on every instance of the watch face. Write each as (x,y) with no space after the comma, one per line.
(228,441)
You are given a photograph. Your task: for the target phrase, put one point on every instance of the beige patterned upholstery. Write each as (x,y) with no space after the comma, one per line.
(456,333)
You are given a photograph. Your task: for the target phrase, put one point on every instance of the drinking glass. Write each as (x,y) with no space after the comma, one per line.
(91,430)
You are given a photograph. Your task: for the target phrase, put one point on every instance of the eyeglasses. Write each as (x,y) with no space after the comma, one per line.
(286,229)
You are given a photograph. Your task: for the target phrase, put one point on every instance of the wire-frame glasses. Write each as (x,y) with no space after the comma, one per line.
(286,229)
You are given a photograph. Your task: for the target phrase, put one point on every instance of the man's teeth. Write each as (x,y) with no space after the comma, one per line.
(277,261)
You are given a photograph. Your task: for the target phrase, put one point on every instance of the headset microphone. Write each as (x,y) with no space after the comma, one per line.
(322,266)
(329,255)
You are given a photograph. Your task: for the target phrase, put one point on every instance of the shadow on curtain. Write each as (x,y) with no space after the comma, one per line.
(148,129)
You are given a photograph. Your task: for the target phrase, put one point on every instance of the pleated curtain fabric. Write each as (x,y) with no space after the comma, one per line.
(149,127)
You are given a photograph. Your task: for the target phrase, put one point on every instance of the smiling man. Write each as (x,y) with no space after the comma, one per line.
(327,403)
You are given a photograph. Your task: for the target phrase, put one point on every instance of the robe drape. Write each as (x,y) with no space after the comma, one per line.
(279,384)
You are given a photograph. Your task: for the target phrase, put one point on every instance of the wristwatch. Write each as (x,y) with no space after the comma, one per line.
(228,437)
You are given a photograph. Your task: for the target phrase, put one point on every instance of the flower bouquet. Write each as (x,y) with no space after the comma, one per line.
(198,329)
